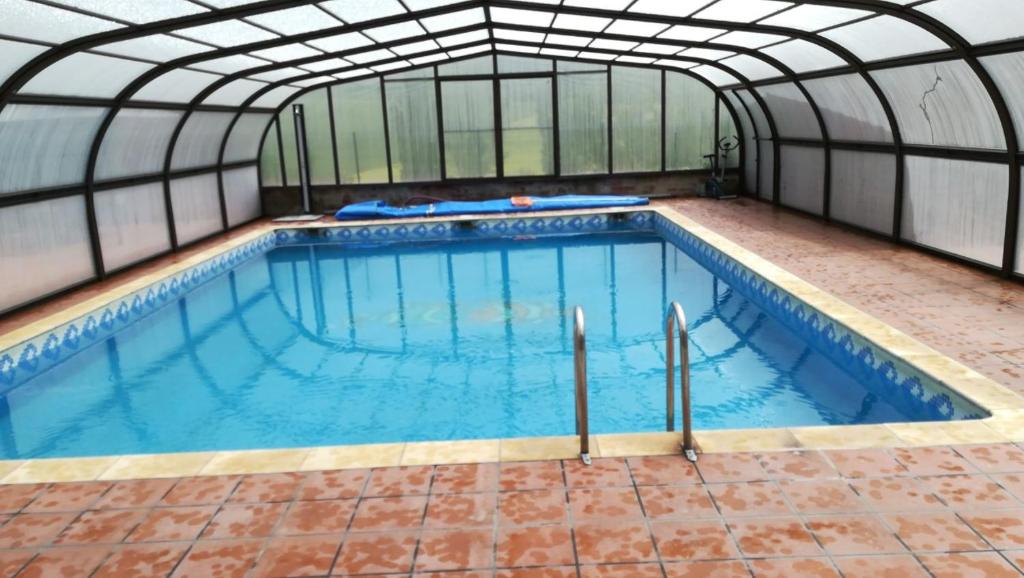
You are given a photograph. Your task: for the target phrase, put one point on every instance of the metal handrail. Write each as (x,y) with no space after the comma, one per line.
(675,311)
(579,358)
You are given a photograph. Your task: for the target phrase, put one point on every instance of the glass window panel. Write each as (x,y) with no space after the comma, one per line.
(583,118)
(979,21)
(241,195)
(44,247)
(478,65)
(812,18)
(132,223)
(318,137)
(765,170)
(956,206)
(352,11)
(226,33)
(41,22)
(803,56)
(136,143)
(1007,71)
(636,119)
(752,68)
(689,122)
(244,141)
(295,20)
(863,189)
(802,178)
(527,127)
(235,92)
(850,108)
(512,64)
(136,12)
(359,126)
(884,37)
(270,159)
(178,85)
(85,74)
(942,104)
(727,129)
(45,146)
(156,47)
(793,115)
(467,108)
(199,141)
(196,206)
(742,10)
(16,55)
(412,128)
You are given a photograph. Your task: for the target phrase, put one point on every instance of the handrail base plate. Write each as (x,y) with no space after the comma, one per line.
(585,458)
(691,455)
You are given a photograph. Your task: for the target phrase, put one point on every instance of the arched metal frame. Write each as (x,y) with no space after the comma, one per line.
(959,50)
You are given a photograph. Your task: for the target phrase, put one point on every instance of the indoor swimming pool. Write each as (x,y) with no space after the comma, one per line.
(457,331)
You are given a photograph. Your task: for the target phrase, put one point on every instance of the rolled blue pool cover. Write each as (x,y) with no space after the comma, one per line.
(380,209)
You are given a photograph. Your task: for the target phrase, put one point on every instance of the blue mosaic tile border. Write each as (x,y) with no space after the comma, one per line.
(873,366)
(27,359)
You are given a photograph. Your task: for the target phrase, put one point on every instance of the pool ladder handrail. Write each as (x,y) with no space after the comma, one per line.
(675,313)
(579,358)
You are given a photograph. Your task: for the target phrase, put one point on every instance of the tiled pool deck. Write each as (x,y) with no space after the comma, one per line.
(942,512)
(956,509)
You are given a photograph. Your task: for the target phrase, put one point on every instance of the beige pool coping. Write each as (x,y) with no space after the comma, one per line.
(1006,423)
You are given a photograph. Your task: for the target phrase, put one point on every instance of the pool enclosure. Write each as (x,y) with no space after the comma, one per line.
(131,129)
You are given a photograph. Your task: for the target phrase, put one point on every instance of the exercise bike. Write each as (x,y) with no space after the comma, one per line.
(713,187)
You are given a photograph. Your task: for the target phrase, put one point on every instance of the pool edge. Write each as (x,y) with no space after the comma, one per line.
(1005,424)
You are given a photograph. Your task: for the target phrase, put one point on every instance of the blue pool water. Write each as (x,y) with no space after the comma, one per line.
(326,344)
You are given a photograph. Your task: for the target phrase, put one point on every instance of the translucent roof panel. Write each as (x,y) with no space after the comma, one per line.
(714,75)
(979,21)
(942,104)
(657,48)
(742,10)
(570,39)
(287,52)
(134,11)
(283,73)
(230,64)
(577,22)
(45,146)
(156,47)
(227,33)
(352,11)
(85,74)
(415,47)
(341,42)
(635,28)
(1007,71)
(812,18)
(16,54)
(677,8)
(691,33)
(803,56)
(521,17)
(34,21)
(884,37)
(750,39)
(793,115)
(178,85)
(136,143)
(752,68)
(463,38)
(850,108)
(275,96)
(295,20)
(234,93)
(396,31)
(454,20)
(604,4)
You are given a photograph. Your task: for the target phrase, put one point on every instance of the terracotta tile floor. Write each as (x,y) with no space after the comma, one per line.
(970,315)
(632,517)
